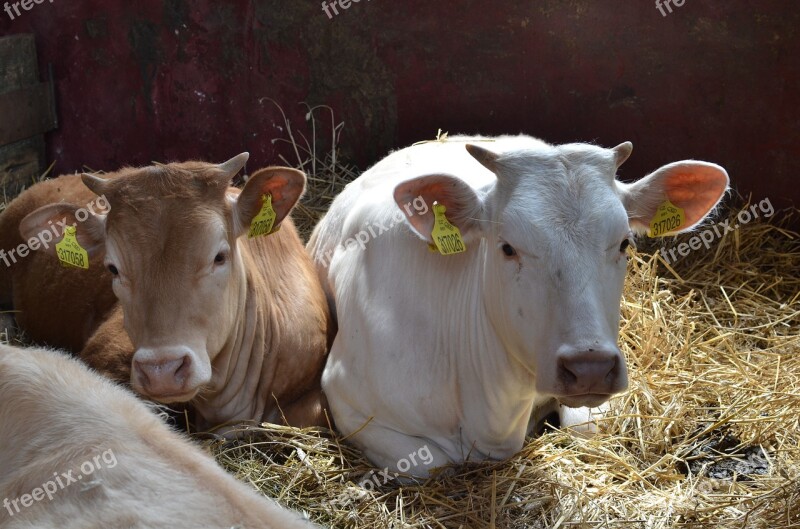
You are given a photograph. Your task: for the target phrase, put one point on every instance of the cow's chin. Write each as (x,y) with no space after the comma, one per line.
(174,398)
(589,400)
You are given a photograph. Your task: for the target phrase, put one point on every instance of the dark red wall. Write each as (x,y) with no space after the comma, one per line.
(151,80)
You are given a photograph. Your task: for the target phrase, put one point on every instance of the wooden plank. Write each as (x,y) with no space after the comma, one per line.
(26,112)
(18,63)
(21,164)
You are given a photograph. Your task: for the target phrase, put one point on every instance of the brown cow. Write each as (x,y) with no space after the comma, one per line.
(78,451)
(234,325)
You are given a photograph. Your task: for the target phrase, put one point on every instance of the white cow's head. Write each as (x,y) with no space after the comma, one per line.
(171,247)
(554,230)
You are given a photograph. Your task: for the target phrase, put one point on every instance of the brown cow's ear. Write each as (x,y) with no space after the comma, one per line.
(283,184)
(47,225)
(416,198)
(696,187)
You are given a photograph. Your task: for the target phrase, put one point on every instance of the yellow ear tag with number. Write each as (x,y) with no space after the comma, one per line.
(446,237)
(668,219)
(70,252)
(263,222)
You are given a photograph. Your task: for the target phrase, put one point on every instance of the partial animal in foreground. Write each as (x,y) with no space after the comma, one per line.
(176,298)
(78,451)
(461,349)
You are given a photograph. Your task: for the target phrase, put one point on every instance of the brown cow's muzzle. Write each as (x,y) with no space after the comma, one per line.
(589,377)
(166,374)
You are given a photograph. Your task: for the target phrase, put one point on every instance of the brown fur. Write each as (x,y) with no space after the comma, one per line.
(155,209)
(55,306)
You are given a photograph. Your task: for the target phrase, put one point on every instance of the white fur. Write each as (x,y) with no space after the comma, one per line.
(55,415)
(459,352)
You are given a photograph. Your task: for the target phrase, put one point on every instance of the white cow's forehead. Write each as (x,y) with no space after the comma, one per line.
(570,180)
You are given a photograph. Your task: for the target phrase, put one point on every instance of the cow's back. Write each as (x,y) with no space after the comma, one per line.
(57,416)
(54,305)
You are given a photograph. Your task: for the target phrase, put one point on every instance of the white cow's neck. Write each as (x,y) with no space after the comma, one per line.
(497,392)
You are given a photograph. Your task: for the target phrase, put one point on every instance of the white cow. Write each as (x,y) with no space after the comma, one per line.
(79,452)
(463,353)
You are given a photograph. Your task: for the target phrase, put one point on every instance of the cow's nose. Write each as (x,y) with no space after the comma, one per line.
(592,371)
(161,374)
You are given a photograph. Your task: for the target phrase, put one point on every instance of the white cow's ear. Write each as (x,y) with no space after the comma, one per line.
(48,222)
(696,187)
(416,197)
(283,184)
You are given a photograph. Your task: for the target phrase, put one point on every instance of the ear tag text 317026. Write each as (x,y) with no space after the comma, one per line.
(446,237)
(668,219)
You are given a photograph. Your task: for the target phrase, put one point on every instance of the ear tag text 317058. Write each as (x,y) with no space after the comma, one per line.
(70,252)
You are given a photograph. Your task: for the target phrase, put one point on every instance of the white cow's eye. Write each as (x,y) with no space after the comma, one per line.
(220,258)
(509,250)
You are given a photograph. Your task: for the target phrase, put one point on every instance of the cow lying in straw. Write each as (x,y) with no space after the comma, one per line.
(79,451)
(232,324)
(459,350)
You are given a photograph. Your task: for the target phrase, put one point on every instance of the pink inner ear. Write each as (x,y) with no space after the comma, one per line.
(695,189)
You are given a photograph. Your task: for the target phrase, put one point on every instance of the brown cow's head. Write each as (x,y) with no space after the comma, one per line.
(170,243)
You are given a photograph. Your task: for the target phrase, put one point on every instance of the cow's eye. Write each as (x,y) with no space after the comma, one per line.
(220,258)
(509,250)
(113,270)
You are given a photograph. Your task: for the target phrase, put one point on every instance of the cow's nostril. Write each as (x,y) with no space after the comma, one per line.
(589,372)
(163,377)
(183,371)
(567,375)
(141,373)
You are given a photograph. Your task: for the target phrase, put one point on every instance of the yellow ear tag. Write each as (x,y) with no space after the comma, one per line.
(263,222)
(70,252)
(668,219)
(446,237)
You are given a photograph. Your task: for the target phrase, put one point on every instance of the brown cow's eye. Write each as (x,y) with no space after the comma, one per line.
(220,258)
(509,250)
(113,270)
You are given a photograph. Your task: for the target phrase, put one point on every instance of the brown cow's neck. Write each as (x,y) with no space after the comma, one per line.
(271,363)
(233,394)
